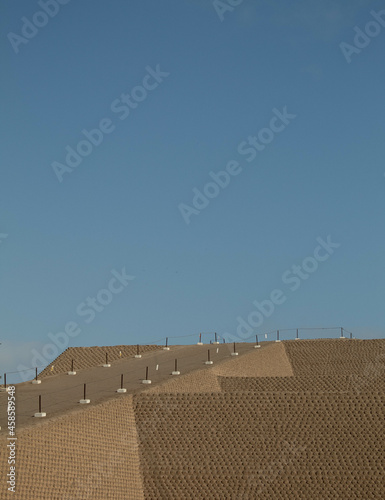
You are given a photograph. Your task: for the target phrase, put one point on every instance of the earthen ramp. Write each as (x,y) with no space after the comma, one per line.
(269,361)
(316,435)
(291,420)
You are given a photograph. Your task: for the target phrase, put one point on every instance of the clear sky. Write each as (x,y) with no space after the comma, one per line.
(151,100)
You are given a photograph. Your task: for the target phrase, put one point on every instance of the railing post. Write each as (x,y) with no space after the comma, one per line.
(121,389)
(84,400)
(72,372)
(106,364)
(208,362)
(176,371)
(146,380)
(40,414)
(35,380)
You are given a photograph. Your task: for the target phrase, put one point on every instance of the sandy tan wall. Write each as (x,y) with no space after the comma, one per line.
(268,446)
(268,361)
(92,454)
(87,357)
(201,381)
(326,357)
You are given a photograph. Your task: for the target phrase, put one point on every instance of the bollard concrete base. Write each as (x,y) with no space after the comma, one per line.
(297,338)
(199,343)
(40,414)
(208,362)
(234,354)
(137,356)
(166,348)
(146,381)
(257,346)
(71,373)
(215,342)
(175,372)
(107,365)
(277,341)
(85,401)
(121,391)
(36,381)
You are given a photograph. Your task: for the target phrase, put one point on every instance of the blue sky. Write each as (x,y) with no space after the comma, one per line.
(322,175)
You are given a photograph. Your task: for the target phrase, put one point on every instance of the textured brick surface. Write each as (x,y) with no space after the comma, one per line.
(293,420)
(92,454)
(269,361)
(87,357)
(269,445)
